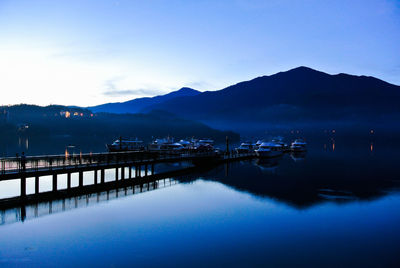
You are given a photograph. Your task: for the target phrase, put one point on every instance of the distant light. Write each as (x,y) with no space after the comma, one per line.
(91,115)
(372,131)
(81,114)
(67,114)
(76,113)
(333,131)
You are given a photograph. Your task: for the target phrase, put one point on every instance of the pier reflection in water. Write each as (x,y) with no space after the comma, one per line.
(39,209)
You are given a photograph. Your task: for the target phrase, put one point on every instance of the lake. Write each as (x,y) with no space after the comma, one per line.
(335,206)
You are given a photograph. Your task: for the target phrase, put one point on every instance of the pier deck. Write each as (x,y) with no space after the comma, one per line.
(140,163)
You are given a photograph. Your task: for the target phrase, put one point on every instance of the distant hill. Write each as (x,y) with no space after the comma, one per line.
(137,105)
(301,95)
(82,127)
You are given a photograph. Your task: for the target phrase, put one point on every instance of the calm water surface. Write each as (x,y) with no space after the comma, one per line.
(336,206)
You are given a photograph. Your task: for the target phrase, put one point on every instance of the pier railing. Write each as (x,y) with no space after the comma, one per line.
(35,163)
(128,166)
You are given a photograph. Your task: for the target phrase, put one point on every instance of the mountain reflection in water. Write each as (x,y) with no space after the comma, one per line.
(305,179)
(300,180)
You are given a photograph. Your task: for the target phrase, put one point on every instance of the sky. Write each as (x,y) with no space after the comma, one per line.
(88,52)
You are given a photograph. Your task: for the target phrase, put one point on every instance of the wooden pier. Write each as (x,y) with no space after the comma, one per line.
(137,167)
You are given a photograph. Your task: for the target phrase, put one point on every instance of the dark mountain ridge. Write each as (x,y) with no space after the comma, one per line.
(299,94)
(137,105)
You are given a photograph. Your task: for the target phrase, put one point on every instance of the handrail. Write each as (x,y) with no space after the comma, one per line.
(61,161)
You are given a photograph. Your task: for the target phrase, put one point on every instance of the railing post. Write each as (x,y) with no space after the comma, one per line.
(95,176)
(122,173)
(116,174)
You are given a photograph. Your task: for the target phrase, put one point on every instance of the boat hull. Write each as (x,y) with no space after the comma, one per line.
(268,154)
(243,151)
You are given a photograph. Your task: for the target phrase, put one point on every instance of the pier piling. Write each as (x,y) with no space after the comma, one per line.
(55,182)
(23,186)
(36,184)
(80,178)
(68,180)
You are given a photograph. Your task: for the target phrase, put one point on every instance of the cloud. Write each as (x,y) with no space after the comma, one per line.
(199,85)
(113,91)
(129,92)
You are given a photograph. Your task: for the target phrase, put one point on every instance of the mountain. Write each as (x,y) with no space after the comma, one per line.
(301,95)
(137,105)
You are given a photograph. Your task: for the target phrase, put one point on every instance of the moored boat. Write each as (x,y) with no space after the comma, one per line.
(284,146)
(123,145)
(205,145)
(246,147)
(269,149)
(165,145)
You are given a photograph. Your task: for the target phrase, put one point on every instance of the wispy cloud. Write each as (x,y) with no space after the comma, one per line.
(130,92)
(112,90)
(199,85)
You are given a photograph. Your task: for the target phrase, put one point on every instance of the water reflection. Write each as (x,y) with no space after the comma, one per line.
(268,166)
(304,180)
(298,156)
(31,211)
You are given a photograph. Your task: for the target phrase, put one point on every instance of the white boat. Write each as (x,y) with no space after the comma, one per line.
(246,147)
(167,144)
(269,149)
(258,143)
(186,144)
(122,145)
(298,145)
(279,140)
(205,145)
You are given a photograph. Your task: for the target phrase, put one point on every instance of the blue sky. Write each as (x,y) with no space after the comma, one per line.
(89,52)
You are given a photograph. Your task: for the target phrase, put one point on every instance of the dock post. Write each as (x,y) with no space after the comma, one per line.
(140,171)
(80,178)
(116,174)
(68,180)
(23,186)
(95,176)
(152,169)
(54,182)
(136,173)
(36,184)
(145,170)
(123,173)
(130,172)
(102,179)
